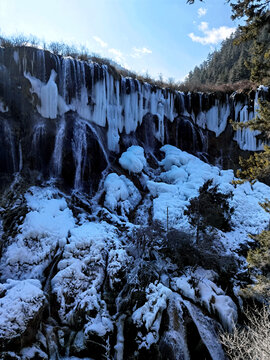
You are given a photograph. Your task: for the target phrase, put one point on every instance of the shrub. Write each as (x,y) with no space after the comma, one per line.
(209,208)
(259,263)
(252,340)
(180,247)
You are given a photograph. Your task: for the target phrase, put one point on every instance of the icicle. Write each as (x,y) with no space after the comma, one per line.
(20,157)
(206,329)
(119,347)
(10,141)
(246,138)
(79,147)
(58,149)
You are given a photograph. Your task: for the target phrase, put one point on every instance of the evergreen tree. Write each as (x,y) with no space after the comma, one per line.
(209,208)
(253,36)
(259,263)
(256,31)
(256,167)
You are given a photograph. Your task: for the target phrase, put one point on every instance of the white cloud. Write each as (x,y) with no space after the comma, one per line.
(211,36)
(117,55)
(138,53)
(201,12)
(100,41)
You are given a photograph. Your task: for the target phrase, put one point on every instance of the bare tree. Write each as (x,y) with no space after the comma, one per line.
(250,342)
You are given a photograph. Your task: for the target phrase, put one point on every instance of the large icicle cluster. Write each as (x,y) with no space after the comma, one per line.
(121,104)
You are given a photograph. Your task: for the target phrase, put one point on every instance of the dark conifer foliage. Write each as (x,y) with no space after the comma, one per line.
(210,208)
(245,55)
(227,65)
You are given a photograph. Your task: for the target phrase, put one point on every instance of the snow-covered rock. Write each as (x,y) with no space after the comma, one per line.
(120,193)
(21,306)
(110,290)
(45,227)
(199,287)
(183,176)
(133,159)
(150,314)
(82,268)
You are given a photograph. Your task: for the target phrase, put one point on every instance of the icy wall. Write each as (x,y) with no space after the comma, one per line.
(65,118)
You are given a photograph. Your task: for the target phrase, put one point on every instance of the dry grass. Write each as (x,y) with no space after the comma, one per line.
(251,342)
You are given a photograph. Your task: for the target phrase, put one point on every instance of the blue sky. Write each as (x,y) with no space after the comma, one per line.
(158,36)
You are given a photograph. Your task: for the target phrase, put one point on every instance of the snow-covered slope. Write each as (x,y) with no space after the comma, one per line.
(114,277)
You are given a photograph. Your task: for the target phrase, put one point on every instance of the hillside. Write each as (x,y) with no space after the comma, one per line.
(230,64)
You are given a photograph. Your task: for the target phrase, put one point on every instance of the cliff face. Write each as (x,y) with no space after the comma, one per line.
(112,270)
(66,119)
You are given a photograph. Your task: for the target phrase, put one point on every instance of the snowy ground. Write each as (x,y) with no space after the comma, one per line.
(86,264)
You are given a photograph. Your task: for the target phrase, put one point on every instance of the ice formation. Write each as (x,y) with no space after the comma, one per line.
(120,193)
(133,159)
(122,104)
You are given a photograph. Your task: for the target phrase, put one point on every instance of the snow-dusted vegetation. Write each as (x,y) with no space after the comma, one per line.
(92,276)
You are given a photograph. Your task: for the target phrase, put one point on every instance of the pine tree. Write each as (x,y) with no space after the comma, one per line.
(257,31)
(209,208)
(259,263)
(256,167)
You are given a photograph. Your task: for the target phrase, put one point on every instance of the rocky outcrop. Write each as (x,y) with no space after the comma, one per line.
(21,307)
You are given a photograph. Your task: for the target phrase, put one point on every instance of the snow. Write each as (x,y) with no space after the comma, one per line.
(199,287)
(32,353)
(263,88)
(81,271)
(120,193)
(149,315)
(183,176)
(118,261)
(92,258)
(133,159)
(46,225)
(20,302)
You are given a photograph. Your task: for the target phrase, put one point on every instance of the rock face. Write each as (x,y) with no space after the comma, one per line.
(66,119)
(98,259)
